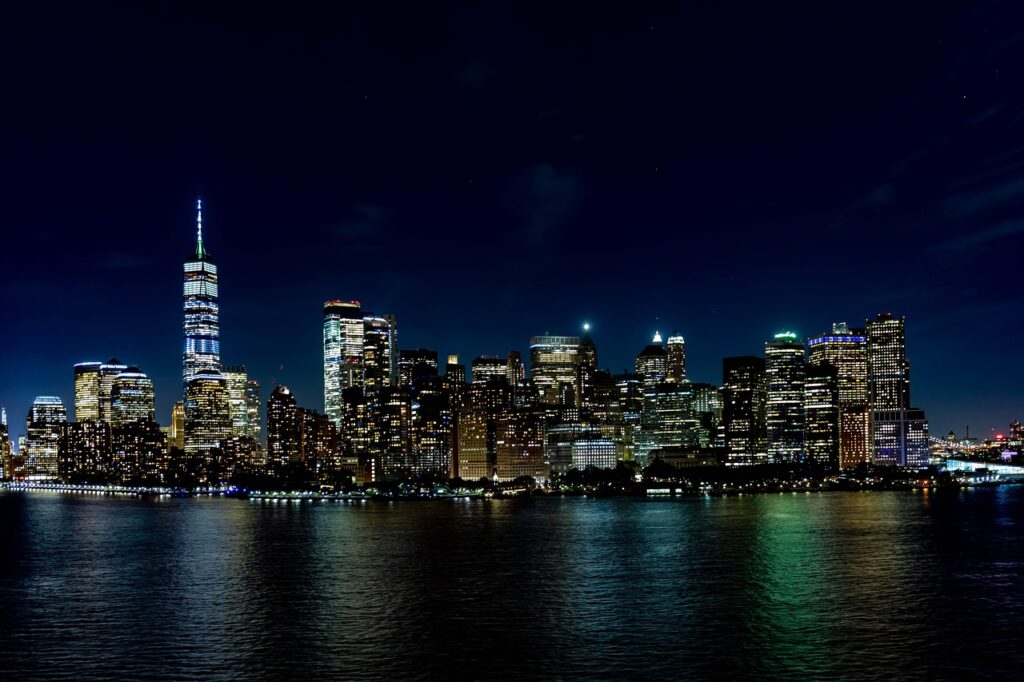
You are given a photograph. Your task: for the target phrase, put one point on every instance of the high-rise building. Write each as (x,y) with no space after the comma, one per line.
(343,354)
(132,397)
(553,368)
(744,398)
(138,452)
(784,414)
(282,427)
(477,428)
(109,371)
(454,374)
(652,363)
(85,452)
(44,427)
(586,366)
(393,431)
(87,391)
(577,445)
(519,446)
(202,314)
(489,368)
(846,350)
(253,421)
(900,432)
(676,358)
(176,434)
(237,382)
(415,364)
(207,416)
(821,416)
(667,421)
(515,370)
(6,448)
(433,425)
(379,361)
(707,410)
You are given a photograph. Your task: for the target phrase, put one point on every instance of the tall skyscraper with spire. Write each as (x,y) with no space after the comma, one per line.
(202,314)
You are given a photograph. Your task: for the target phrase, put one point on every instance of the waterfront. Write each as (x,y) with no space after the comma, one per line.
(863,585)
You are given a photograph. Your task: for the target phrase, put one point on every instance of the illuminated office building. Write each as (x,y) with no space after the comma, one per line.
(707,411)
(900,432)
(433,425)
(201,354)
(553,368)
(132,397)
(176,433)
(207,416)
(784,413)
(357,434)
(44,427)
(343,354)
(744,401)
(821,416)
(6,448)
(109,371)
(515,370)
(416,364)
(85,452)
(379,349)
(846,350)
(237,382)
(652,363)
(586,366)
(139,452)
(454,374)
(253,420)
(488,368)
(577,445)
(477,428)
(393,436)
(318,444)
(87,391)
(676,358)
(667,420)
(282,427)
(519,446)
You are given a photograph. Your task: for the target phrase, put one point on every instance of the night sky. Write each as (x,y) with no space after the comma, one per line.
(492,172)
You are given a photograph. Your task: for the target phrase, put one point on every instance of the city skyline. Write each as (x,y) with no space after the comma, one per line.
(493,173)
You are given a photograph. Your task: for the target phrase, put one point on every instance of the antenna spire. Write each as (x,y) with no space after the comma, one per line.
(200,251)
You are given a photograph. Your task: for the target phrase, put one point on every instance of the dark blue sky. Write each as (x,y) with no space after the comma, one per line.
(491,172)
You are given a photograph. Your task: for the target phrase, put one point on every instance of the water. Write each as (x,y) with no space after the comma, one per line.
(808,586)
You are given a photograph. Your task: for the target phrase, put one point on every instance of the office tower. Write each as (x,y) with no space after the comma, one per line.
(132,397)
(586,366)
(282,427)
(176,435)
(109,371)
(202,314)
(44,427)
(318,446)
(900,432)
(378,352)
(252,409)
(237,382)
(652,363)
(207,416)
(393,427)
(676,358)
(433,425)
(414,365)
(85,453)
(454,374)
(357,434)
(519,446)
(6,448)
(87,391)
(476,428)
(784,374)
(553,368)
(515,370)
(846,350)
(707,410)
(821,416)
(489,368)
(667,420)
(744,399)
(577,445)
(343,353)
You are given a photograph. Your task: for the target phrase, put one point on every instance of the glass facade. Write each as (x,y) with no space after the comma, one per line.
(201,353)
(846,350)
(784,411)
(132,397)
(44,428)
(87,391)
(553,367)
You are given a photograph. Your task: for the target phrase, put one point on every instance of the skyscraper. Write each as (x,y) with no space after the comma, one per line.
(176,433)
(282,426)
(109,371)
(553,367)
(44,427)
(132,397)
(846,350)
(744,398)
(821,416)
(586,366)
(237,382)
(343,354)
(414,364)
(454,374)
(676,358)
(784,374)
(207,416)
(652,363)
(379,336)
(202,314)
(900,432)
(252,408)
(87,391)
(489,368)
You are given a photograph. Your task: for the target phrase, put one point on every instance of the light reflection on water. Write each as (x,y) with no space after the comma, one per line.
(858,585)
